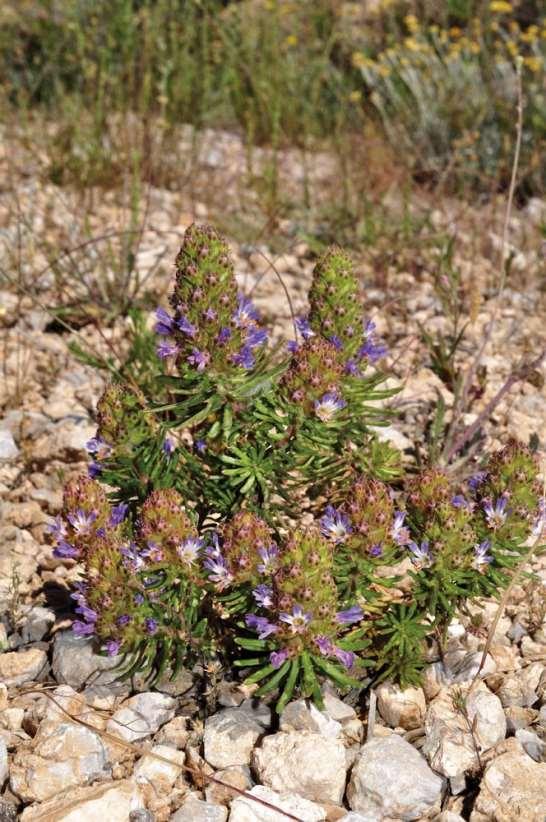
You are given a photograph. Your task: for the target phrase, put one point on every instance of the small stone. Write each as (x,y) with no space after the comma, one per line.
(8,812)
(113,801)
(238,775)
(532,744)
(512,787)
(304,763)
(75,662)
(8,449)
(174,733)
(4,767)
(195,810)
(401,708)
(37,623)
(337,709)
(392,779)
(245,809)
(513,691)
(12,718)
(302,715)
(229,737)
(69,756)
(461,667)
(162,774)
(16,668)
(175,686)
(141,715)
(517,717)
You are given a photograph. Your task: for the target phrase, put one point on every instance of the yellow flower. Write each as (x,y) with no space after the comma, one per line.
(434,29)
(291,40)
(534,64)
(411,44)
(455,31)
(500,6)
(385,71)
(412,23)
(475,47)
(512,48)
(355,96)
(530,35)
(358,59)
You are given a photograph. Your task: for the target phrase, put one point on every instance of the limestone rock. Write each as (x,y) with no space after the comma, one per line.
(229,738)
(160,773)
(392,779)
(37,623)
(113,802)
(69,756)
(24,666)
(303,715)
(194,810)
(244,809)
(401,708)
(532,744)
(8,448)
(4,768)
(237,775)
(513,787)
(75,662)
(304,763)
(141,715)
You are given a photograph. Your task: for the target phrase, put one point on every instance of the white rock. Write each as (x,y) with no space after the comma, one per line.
(70,756)
(336,709)
(237,775)
(401,708)
(8,449)
(37,623)
(75,662)
(244,809)
(461,667)
(512,787)
(302,715)
(514,691)
(160,773)
(194,810)
(112,802)
(532,744)
(141,715)
(354,816)
(229,737)
(304,763)
(4,768)
(449,745)
(25,666)
(392,779)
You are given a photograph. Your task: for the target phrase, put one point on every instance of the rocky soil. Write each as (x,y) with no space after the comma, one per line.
(77,744)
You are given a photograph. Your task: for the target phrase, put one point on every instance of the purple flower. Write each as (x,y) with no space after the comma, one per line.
(350,615)
(324,645)
(481,557)
(298,620)
(458,501)
(302,324)
(132,558)
(81,521)
(113,646)
(372,349)
(80,628)
(399,532)
(219,572)
(347,658)
(376,550)
(261,625)
(540,522)
(421,555)
(118,514)
(292,346)
(255,337)
(328,406)
(164,322)
(88,613)
(476,480)
(269,558)
(495,514)
(278,657)
(210,314)
(188,551)
(122,620)
(223,335)
(65,551)
(151,625)
(263,595)
(167,349)
(138,598)
(244,358)
(153,552)
(57,528)
(336,342)
(199,359)
(186,327)
(335,525)
(94,469)
(99,447)
(351,367)
(168,446)
(245,313)
(200,446)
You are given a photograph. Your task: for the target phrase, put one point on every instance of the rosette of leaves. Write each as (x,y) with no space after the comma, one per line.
(143,593)
(303,635)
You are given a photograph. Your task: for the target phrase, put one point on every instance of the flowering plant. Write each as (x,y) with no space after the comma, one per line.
(248,512)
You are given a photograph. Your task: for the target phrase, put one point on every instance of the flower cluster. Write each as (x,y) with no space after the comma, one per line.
(212,329)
